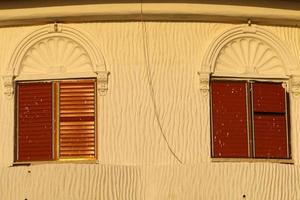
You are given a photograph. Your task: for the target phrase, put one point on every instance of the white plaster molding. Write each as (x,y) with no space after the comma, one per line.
(8,83)
(58,50)
(294,86)
(248,56)
(204,82)
(248,50)
(102,82)
(24,77)
(54,55)
(58,31)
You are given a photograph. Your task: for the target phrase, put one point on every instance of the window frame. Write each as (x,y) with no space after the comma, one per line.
(55,125)
(250,116)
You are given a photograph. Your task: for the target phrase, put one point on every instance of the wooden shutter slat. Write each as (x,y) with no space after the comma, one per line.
(34,121)
(75,94)
(78,99)
(77,102)
(75,106)
(85,154)
(78,143)
(229,119)
(77,119)
(78,139)
(77,110)
(80,123)
(78,115)
(76,127)
(78,135)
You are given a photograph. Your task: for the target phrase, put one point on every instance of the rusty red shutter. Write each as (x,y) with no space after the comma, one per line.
(270,136)
(229,119)
(268,97)
(34,125)
(77,119)
(270,127)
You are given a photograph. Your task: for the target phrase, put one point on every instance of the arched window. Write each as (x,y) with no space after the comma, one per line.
(248,71)
(57,73)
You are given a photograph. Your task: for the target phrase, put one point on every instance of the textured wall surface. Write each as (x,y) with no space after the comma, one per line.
(154,129)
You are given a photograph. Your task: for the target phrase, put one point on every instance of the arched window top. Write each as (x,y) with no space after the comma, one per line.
(56,48)
(55,54)
(248,51)
(56,51)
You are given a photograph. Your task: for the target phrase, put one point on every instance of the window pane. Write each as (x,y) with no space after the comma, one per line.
(77,119)
(229,117)
(34,121)
(270,136)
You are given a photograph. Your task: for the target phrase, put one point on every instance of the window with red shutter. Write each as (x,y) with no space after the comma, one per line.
(249,119)
(56,120)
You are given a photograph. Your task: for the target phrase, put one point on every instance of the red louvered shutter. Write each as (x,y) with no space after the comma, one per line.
(34,137)
(268,97)
(229,119)
(77,119)
(270,127)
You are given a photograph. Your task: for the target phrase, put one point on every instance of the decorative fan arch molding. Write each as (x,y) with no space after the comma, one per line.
(246,51)
(57,49)
(263,43)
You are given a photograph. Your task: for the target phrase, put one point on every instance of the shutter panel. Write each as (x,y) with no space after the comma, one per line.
(34,126)
(270,136)
(77,119)
(270,127)
(229,117)
(268,97)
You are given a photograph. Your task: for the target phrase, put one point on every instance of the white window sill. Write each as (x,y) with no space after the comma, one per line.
(254,160)
(63,161)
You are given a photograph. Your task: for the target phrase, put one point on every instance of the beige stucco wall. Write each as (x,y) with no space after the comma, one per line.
(147,100)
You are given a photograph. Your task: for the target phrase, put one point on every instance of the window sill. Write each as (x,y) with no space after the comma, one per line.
(254,160)
(62,161)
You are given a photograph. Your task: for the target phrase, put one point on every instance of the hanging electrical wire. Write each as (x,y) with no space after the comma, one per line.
(148,71)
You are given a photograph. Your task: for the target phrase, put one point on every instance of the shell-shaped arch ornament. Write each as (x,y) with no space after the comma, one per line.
(249,56)
(56,55)
(57,49)
(249,50)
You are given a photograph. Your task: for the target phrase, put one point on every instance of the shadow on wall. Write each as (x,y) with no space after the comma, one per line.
(282,4)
